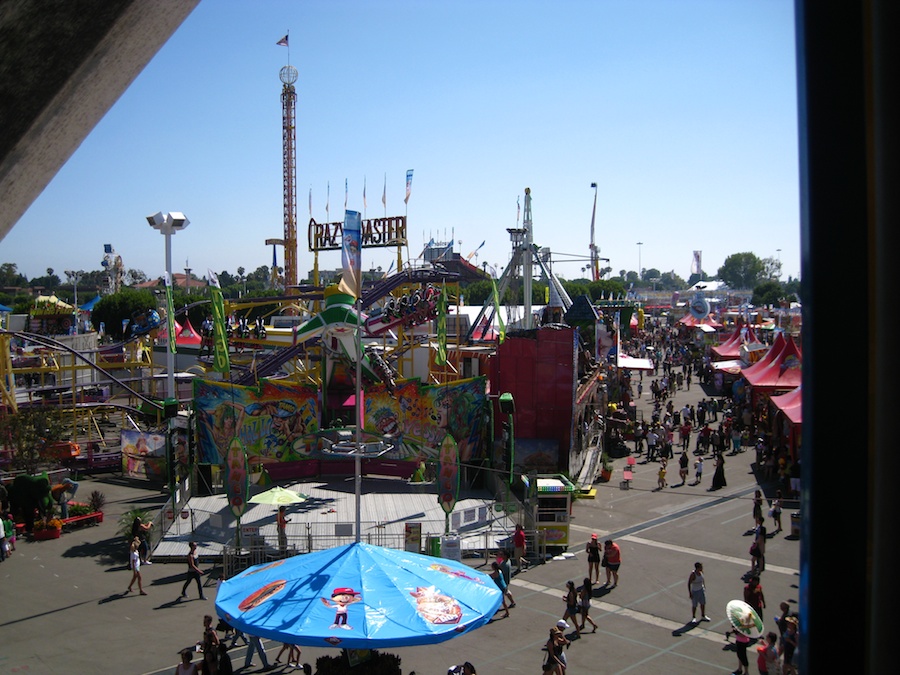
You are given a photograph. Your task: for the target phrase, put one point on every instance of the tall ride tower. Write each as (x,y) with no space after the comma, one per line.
(288,76)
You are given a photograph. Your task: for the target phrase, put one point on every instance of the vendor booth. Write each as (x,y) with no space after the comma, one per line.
(550,501)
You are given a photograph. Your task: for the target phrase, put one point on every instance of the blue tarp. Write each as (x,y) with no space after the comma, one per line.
(4,308)
(89,305)
(359,596)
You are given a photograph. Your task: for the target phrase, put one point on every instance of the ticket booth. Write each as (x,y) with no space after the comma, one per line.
(550,501)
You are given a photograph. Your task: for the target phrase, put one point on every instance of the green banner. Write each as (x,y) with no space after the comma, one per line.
(497,311)
(170,315)
(441,358)
(221,362)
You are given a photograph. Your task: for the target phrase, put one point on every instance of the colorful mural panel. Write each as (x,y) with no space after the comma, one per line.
(420,416)
(145,454)
(275,422)
(279,422)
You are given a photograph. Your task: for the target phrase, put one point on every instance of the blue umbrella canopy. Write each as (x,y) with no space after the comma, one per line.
(359,596)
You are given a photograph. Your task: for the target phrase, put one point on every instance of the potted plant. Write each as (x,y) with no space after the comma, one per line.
(606,467)
(47,529)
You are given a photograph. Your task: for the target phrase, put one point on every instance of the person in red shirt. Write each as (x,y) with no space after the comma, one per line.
(518,539)
(613,558)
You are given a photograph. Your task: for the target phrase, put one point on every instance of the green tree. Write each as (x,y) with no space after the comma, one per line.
(771,293)
(741,270)
(113,309)
(10,277)
(669,281)
(50,282)
(29,432)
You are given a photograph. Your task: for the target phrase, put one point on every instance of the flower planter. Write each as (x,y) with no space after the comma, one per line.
(48,533)
(605,475)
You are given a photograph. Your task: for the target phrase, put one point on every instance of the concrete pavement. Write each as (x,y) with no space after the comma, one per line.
(64,611)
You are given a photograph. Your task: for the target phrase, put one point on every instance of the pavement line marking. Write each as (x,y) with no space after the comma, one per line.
(698,553)
(610,608)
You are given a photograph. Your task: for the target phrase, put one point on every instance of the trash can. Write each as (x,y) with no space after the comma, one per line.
(795,524)
(433,546)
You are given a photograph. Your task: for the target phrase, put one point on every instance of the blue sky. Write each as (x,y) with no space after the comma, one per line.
(684,112)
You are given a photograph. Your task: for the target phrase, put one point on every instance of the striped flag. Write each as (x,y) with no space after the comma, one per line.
(696,266)
(346,193)
(221,360)
(283,42)
(409,175)
(364,193)
(327,199)
(170,313)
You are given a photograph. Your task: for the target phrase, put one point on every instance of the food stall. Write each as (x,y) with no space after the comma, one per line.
(550,501)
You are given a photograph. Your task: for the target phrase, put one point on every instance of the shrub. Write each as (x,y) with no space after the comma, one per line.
(97,501)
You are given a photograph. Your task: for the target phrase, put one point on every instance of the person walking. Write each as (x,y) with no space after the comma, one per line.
(519,541)
(753,595)
(186,667)
(572,605)
(141,530)
(209,645)
(497,576)
(758,548)
(254,645)
(789,643)
(683,467)
(282,530)
(757,507)
(593,553)
(585,593)
(767,655)
(613,556)
(194,573)
(506,570)
(741,642)
(718,481)
(697,593)
(556,655)
(135,557)
(293,654)
(661,475)
(698,470)
(775,510)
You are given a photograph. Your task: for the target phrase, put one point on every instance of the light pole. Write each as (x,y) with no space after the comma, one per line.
(778,251)
(168,224)
(639,244)
(75,277)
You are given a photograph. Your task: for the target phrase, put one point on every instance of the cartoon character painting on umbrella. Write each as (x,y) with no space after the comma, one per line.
(341,599)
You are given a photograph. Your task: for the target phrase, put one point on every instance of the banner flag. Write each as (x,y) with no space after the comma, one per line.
(364,193)
(497,311)
(237,477)
(351,279)
(221,359)
(170,313)
(409,175)
(327,200)
(384,193)
(283,42)
(346,193)
(696,267)
(448,470)
(441,358)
